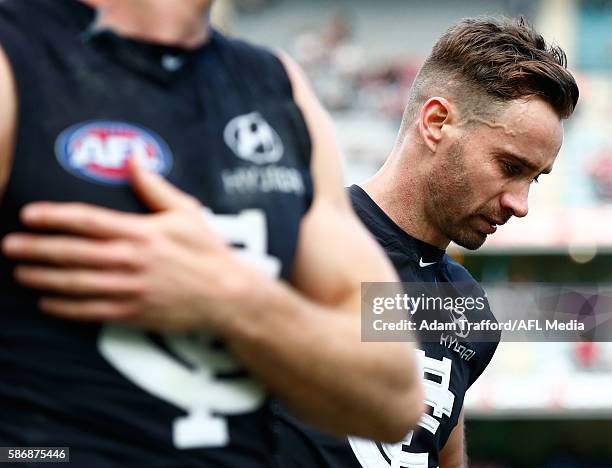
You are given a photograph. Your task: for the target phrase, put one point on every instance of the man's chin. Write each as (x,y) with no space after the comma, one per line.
(472,241)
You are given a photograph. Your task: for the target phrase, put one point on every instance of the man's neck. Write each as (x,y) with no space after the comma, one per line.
(179,24)
(400,194)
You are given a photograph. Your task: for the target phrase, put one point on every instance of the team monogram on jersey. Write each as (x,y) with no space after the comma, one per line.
(196,389)
(100,151)
(194,383)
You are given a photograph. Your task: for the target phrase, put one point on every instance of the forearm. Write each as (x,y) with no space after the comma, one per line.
(455,464)
(460,461)
(454,452)
(8,119)
(313,359)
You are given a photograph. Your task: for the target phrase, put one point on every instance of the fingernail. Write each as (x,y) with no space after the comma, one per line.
(30,214)
(136,163)
(11,244)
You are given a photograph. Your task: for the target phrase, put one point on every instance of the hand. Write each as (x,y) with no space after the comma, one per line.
(163,271)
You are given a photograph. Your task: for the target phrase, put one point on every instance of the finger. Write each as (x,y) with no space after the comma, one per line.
(70,251)
(79,282)
(83,219)
(188,229)
(157,193)
(87,309)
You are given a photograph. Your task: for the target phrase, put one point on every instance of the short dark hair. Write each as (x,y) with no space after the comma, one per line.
(499,60)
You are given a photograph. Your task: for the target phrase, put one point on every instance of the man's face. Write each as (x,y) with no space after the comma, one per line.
(202,5)
(482,171)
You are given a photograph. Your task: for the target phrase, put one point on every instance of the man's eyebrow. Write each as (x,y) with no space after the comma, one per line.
(524,162)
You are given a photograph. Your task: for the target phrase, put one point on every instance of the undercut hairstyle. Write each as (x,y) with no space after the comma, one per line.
(484,63)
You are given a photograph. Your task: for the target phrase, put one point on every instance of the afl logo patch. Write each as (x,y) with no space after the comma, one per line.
(251,138)
(100,151)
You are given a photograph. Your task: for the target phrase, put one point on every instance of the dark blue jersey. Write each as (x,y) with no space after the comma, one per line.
(450,365)
(219,122)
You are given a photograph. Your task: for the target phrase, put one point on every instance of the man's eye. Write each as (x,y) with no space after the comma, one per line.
(511,169)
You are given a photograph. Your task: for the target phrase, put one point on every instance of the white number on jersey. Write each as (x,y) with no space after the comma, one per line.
(437,395)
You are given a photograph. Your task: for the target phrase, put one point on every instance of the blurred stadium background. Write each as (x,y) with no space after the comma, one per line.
(538,404)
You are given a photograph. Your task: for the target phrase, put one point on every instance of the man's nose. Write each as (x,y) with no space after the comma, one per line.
(516,201)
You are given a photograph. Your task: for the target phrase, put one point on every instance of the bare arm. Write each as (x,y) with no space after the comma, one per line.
(8,117)
(327,372)
(453,454)
(170,271)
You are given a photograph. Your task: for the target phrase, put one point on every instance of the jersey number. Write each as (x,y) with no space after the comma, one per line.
(437,395)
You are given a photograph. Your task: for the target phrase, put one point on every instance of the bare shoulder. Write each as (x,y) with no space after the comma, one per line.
(321,269)
(325,166)
(8,118)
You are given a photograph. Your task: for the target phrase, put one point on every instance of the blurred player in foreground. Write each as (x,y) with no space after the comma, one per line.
(483,122)
(84,91)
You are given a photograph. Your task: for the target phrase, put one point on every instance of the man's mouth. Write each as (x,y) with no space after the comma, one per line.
(490,224)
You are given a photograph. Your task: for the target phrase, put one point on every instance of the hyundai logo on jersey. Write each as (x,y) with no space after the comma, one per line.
(253,139)
(100,151)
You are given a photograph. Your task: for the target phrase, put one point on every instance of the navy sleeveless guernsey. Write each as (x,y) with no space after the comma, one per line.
(449,366)
(219,122)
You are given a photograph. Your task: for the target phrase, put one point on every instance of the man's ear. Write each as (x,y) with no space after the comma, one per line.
(435,113)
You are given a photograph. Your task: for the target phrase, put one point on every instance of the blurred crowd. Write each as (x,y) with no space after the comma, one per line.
(342,76)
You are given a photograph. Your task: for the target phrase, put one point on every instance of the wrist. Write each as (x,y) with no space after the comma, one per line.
(248,295)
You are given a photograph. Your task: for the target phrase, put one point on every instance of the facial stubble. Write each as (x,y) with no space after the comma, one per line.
(449,189)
